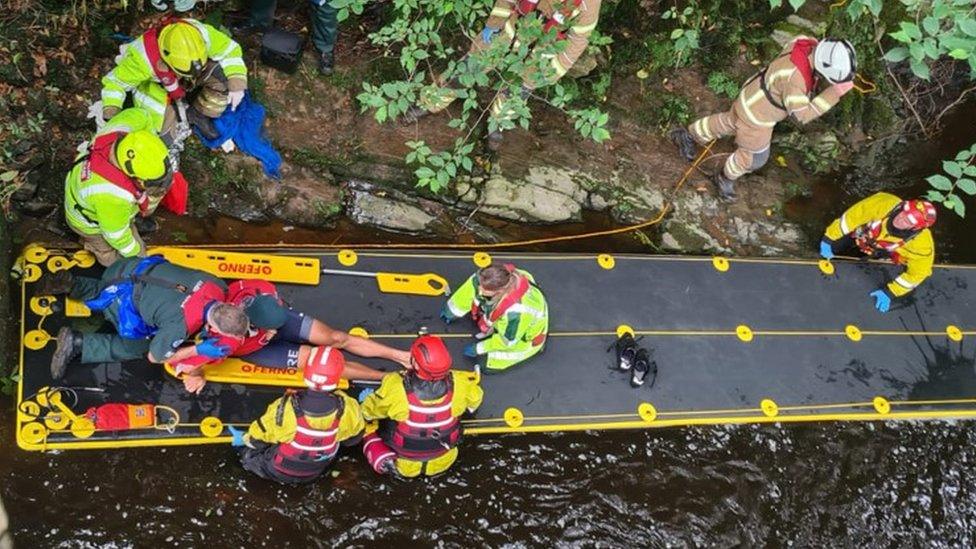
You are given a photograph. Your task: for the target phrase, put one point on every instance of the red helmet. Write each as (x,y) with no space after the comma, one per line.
(324,368)
(430,357)
(920,213)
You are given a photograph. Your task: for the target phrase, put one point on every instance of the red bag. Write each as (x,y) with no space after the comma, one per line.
(177,196)
(121,417)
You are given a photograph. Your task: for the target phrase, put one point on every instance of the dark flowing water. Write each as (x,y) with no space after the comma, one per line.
(889,485)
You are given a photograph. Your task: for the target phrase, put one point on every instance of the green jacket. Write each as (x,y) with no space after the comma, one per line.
(515,335)
(133,69)
(94,205)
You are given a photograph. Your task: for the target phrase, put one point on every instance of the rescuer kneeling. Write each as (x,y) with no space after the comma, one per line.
(510,311)
(883,226)
(298,437)
(419,413)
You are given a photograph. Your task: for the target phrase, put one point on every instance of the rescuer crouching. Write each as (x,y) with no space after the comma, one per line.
(418,413)
(298,438)
(883,226)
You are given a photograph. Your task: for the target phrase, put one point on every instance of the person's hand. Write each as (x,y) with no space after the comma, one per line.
(238,436)
(881,300)
(109,112)
(471,350)
(446,315)
(487,34)
(194,383)
(209,348)
(365,393)
(235,98)
(826,251)
(403,359)
(843,87)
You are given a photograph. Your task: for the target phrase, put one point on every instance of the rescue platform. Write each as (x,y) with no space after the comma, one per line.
(735,340)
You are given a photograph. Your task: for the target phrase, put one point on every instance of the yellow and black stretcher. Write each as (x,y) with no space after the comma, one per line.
(736,341)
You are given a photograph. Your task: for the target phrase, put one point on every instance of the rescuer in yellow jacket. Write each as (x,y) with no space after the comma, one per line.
(419,413)
(883,226)
(298,437)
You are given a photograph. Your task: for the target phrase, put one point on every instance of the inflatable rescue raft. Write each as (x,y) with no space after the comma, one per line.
(735,341)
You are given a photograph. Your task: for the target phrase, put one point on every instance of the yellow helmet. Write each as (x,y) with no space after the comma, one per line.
(142,155)
(182,47)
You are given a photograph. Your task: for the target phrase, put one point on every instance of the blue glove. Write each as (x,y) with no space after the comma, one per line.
(209,348)
(365,393)
(238,435)
(881,300)
(446,315)
(826,251)
(487,34)
(471,350)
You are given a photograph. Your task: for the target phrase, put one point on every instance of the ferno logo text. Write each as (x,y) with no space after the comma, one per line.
(244,268)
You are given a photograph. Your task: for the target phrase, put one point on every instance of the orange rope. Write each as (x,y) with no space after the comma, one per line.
(495,245)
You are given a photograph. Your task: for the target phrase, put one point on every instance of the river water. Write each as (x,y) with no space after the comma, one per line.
(872,484)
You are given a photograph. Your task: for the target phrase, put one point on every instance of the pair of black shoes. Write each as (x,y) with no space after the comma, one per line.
(637,360)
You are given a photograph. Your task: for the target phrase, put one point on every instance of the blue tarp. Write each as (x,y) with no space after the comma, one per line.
(246,127)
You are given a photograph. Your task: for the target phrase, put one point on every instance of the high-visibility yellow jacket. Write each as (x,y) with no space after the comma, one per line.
(279,423)
(134,69)
(94,205)
(916,253)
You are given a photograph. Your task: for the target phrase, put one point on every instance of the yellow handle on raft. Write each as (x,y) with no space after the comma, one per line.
(236,265)
(429,284)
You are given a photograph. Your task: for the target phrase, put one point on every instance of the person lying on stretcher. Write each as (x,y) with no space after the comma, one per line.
(280,337)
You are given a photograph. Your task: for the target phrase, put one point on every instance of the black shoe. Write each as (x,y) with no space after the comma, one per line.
(626,349)
(644,368)
(725,186)
(413,114)
(146,225)
(69,348)
(59,283)
(202,122)
(326,63)
(495,139)
(248,28)
(686,144)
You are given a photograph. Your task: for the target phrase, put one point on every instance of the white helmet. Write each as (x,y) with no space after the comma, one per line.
(834,59)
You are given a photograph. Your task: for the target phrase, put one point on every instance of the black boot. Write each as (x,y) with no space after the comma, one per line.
(68,349)
(146,225)
(644,369)
(725,186)
(248,28)
(202,122)
(686,144)
(626,349)
(326,63)
(59,283)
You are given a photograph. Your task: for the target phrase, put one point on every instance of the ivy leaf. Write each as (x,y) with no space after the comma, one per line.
(952,168)
(897,54)
(967,186)
(940,182)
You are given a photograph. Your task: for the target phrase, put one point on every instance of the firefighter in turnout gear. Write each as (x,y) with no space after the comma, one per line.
(572,21)
(182,62)
(123,172)
(419,413)
(883,226)
(298,437)
(785,88)
(510,311)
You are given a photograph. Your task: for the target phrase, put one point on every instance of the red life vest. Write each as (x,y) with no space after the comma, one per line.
(312,450)
(867,239)
(556,18)
(195,308)
(166,76)
(241,293)
(521,287)
(98,162)
(430,430)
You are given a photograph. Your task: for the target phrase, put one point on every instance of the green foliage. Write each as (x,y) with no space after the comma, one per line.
(723,84)
(685,36)
(960,175)
(424,37)
(9,383)
(670,110)
(933,29)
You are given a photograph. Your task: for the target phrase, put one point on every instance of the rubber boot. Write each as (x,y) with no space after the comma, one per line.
(68,349)
(686,144)
(202,122)
(725,186)
(326,63)
(644,368)
(59,283)
(146,225)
